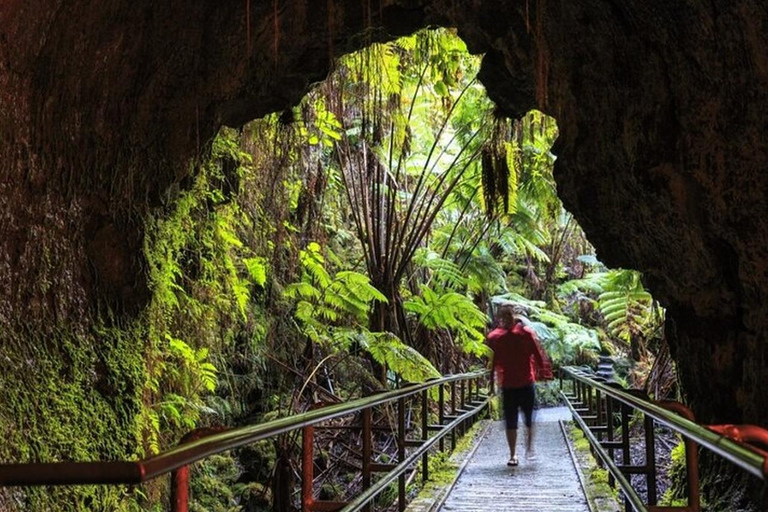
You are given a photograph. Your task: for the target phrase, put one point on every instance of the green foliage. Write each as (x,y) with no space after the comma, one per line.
(628,310)
(214,485)
(675,495)
(257,269)
(202,276)
(332,310)
(56,411)
(548,394)
(388,349)
(452,311)
(324,300)
(564,341)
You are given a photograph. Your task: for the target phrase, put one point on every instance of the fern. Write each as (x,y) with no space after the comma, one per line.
(444,271)
(257,269)
(325,301)
(627,308)
(451,311)
(387,349)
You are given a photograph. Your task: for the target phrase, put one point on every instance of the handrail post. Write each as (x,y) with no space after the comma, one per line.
(650,459)
(599,413)
(453,413)
(692,473)
(691,456)
(180,489)
(441,412)
(579,396)
(626,458)
(401,453)
(609,435)
(307,467)
(462,404)
(470,400)
(367,449)
(424,435)
(180,476)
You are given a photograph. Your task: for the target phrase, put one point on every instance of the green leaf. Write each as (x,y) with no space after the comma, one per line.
(389,350)
(257,269)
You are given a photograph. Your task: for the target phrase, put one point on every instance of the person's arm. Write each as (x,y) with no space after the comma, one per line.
(540,359)
(491,345)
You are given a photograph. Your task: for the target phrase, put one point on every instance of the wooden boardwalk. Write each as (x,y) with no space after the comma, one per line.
(550,483)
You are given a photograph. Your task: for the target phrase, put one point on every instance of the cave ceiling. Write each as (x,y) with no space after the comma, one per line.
(661,158)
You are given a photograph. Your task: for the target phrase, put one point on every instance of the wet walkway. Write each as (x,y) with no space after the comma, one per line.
(550,483)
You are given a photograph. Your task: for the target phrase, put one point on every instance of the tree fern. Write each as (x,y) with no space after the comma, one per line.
(444,271)
(451,311)
(625,311)
(566,342)
(626,307)
(387,349)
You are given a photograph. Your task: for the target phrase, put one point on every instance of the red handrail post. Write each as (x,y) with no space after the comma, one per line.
(180,476)
(650,459)
(307,466)
(691,455)
(180,489)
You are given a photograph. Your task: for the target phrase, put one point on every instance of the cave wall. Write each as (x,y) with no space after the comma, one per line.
(661,106)
(662,154)
(106,105)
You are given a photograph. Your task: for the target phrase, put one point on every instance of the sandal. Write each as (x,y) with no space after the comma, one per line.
(512,462)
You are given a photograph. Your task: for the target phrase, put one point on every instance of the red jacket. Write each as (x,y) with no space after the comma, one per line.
(517,356)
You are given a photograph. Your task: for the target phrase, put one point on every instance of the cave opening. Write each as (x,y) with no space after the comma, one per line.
(660,113)
(395,182)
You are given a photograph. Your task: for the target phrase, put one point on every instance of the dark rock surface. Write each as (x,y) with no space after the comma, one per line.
(662,153)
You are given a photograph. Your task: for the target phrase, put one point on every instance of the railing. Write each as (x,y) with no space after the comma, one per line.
(466,402)
(594,404)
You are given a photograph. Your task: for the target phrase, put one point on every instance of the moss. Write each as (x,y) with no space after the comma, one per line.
(599,493)
(125,390)
(75,396)
(444,466)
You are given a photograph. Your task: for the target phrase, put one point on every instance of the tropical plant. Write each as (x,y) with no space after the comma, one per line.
(629,312)
(332,312)
(566,342)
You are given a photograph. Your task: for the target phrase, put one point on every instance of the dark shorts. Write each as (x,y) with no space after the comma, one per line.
(514,399)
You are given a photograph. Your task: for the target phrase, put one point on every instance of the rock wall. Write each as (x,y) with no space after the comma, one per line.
(661,107)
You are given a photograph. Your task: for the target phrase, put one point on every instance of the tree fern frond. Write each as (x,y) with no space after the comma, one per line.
(389,350)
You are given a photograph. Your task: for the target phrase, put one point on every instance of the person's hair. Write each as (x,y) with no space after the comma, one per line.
(505,316)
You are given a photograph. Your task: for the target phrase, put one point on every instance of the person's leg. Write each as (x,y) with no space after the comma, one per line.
(510,420)
(527,400)
(512,442)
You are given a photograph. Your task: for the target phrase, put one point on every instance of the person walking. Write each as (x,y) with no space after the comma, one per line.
(518,360)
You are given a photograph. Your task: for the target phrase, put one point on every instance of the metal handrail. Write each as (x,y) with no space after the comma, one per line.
(361,500)
(745,457)
(135,472)
(629,492)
